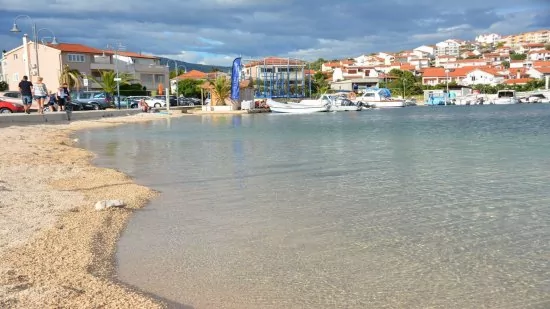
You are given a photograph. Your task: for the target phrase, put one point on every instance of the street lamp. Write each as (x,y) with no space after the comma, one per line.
(54,40)
(447,84)
(35,38)
(119,47)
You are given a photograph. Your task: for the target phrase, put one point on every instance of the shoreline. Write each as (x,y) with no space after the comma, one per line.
(56,250)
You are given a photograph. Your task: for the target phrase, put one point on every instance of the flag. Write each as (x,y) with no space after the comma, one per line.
(235,74)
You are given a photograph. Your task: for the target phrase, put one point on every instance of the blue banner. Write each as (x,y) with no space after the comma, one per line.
(235,78)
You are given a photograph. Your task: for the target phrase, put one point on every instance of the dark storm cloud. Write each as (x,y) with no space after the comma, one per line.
(271,27)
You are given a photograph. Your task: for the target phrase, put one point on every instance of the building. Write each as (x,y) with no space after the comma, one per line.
(355,84)
(424,51)
(89,61)
(434,76)
(536,55)
(448,48)
(369,60)
(540,36)
(491,38)
(462,63)
(275,77)
(482,76)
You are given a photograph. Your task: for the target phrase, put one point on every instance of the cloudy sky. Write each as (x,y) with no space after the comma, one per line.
(215,31)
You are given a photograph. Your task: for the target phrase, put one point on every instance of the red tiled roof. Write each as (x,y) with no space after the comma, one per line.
(518,81)
(193,74)
(76,48)
(407,67)
(440,72)
(533,45)
(541,63)
(544,70)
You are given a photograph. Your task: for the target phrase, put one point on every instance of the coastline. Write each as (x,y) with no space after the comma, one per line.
(56,250)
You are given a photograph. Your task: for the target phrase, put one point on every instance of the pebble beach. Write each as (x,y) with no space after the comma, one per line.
(56,250)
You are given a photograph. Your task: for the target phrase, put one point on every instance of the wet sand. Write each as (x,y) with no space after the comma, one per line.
(56,250)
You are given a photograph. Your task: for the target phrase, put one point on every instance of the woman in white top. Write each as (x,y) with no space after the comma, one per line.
(40,94)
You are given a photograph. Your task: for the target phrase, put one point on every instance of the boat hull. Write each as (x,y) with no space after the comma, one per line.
(386,104)
(297,110)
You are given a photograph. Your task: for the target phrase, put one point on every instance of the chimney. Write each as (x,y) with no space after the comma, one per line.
(519,75)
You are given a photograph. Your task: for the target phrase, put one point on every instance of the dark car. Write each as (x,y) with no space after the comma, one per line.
(183,101)
(95,100)
(173,99)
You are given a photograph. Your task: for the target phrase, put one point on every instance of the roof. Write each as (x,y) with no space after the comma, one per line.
(275,61)
(407,67)
(77,48)
(136,55)
(440,72)
(193,74)
(518,81)
(545,70)
(541,63)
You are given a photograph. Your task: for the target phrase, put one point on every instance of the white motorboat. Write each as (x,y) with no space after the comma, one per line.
(343,104)
(295,108)
(379,97)
(505,97)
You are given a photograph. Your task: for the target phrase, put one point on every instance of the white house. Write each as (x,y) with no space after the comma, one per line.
(482,77)
(441,60)
(541,54)
(369,60)
(420,63)
(424,51)
(538,72)
(488,38)
(448,48)
(388,58)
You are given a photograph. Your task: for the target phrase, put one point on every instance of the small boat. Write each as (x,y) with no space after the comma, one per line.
(295,108)
(506,97)
(379,97)
(343,104)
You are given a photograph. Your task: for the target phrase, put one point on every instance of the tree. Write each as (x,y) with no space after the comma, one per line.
(221,89)
(4,86)
(178,73)
(547,46)
(505,64)
(132,90)
(190,88)
(70,76)
(499,45)
(108,83)
(316,65)
(518,56)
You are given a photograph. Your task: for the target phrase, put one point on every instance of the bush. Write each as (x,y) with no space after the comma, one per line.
(4,86)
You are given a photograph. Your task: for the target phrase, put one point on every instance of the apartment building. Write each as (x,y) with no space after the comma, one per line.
(491,38)
(540,36)
(89,61)
(448,48)
(275,68)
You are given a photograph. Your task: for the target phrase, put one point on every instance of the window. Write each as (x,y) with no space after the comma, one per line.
(75,58)
(15,77)
(14,56)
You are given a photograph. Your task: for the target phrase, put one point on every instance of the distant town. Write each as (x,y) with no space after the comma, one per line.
(488,60)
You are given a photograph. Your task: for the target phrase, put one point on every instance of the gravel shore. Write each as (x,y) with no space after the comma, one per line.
(56,250)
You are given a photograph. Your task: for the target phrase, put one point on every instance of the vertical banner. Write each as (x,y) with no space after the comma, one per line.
(235,74)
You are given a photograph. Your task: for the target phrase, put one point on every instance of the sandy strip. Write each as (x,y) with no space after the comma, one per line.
(56,250)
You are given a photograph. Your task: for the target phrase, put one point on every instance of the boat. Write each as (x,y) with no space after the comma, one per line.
(295,108)
(343,104)
(379,97)
(506,96)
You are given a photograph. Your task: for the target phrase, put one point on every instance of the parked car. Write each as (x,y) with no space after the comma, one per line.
(127,102)
(151,101)
(89,100)
(7,107)
(11,96)
(173,99)
(183,101)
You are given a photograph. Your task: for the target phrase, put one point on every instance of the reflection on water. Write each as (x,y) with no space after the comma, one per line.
(409,208)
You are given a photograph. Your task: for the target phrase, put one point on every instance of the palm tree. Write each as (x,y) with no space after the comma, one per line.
(221,89)
(108,83)
(71,77)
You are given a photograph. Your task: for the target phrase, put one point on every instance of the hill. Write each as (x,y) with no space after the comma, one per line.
(192,66)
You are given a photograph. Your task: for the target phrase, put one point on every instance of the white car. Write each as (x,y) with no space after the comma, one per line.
(152,102)
(11,96)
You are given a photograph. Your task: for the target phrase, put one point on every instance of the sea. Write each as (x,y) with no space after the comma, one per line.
(417,207)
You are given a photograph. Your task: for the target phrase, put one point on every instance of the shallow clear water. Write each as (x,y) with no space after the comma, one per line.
(408,208)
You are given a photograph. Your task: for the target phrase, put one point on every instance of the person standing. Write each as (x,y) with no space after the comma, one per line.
(25,87)
(61,96)
(67,96)
(40,94)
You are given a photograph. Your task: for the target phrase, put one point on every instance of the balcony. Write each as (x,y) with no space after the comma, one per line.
(102,66)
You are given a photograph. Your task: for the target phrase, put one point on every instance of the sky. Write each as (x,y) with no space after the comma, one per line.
(217,31)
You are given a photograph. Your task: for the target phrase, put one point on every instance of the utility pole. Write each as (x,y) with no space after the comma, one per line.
(116,49)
